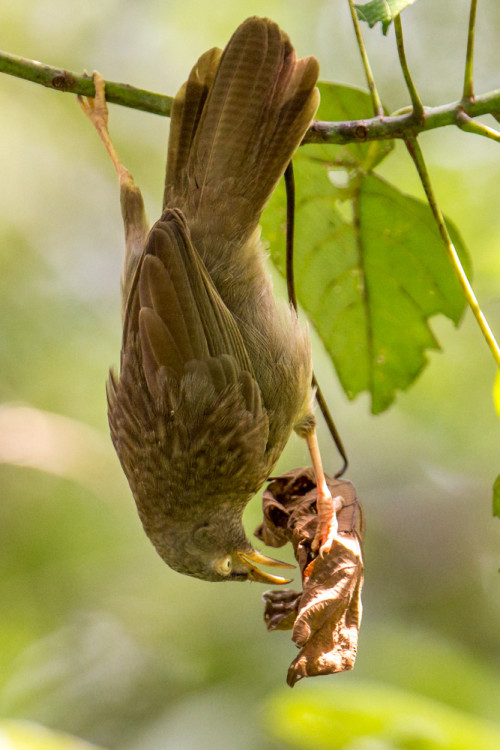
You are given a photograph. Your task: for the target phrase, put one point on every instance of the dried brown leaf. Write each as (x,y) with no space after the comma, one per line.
(281,608)
(325,617)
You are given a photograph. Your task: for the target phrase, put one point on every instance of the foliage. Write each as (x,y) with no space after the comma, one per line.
(381,10)
(370,264)
(373,716)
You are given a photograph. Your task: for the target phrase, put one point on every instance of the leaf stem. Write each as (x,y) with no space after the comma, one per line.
(377,104)
(466,123)
(418,109)
(468,92)
(418,159)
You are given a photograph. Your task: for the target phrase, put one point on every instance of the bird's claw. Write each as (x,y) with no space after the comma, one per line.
(95,108)
(325,535)
(328,525)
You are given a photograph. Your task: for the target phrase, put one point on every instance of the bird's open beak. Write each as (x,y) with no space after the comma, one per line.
(250,557)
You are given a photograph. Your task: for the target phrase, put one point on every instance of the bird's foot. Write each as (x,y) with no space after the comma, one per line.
(327,507)
(96,109)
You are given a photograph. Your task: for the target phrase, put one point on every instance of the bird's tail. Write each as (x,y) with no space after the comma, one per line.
(235,125)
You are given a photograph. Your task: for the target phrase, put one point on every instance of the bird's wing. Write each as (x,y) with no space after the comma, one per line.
(187,391)
(174,307)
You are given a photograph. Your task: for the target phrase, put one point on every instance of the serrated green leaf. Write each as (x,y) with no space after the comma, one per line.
(340,103)
(369,271)
(408,278)
(384,11)
(496,497)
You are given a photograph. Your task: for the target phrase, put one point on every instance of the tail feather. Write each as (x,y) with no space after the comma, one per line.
(186,113)
(236,124)
(234,117)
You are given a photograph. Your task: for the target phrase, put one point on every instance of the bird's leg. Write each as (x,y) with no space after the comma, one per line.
(96,109)
(132,204)
(326,505)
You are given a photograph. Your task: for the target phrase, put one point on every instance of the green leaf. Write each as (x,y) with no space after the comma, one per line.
(496,497)
(370,270)
(374,715)
(384,11)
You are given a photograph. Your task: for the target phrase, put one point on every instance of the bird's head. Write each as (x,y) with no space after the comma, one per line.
(216,551)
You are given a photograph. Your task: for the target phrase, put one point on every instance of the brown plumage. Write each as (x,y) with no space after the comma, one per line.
(215,373)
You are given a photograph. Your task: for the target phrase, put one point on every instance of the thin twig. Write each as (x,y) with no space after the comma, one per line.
(468,92)
(377,104)
(418,109)
(290,282)
(350,131)
(418,159)
(466,123)
(81,83)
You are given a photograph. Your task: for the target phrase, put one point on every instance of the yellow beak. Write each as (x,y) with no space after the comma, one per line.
(250,557)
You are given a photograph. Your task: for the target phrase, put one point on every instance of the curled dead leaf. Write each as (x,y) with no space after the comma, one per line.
(326,615)
(281,608)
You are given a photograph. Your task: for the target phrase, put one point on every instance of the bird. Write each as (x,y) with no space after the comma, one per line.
(215,372)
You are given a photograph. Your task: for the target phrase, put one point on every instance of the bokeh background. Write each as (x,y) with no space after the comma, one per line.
(98,637)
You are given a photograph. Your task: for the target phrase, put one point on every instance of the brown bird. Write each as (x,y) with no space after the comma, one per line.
(215,373)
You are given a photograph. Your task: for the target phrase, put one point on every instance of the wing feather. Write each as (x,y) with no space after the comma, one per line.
(159,347)
(176,310)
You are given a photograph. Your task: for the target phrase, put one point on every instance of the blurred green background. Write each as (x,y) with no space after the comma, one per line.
(98,637)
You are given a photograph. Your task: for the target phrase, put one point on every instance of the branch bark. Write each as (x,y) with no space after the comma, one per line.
(372,129)
(81,83)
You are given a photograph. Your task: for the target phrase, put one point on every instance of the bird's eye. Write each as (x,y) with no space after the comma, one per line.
(224,565)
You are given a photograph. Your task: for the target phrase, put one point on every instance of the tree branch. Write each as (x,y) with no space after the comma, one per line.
(76,83)
(372,129)
(398,126)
